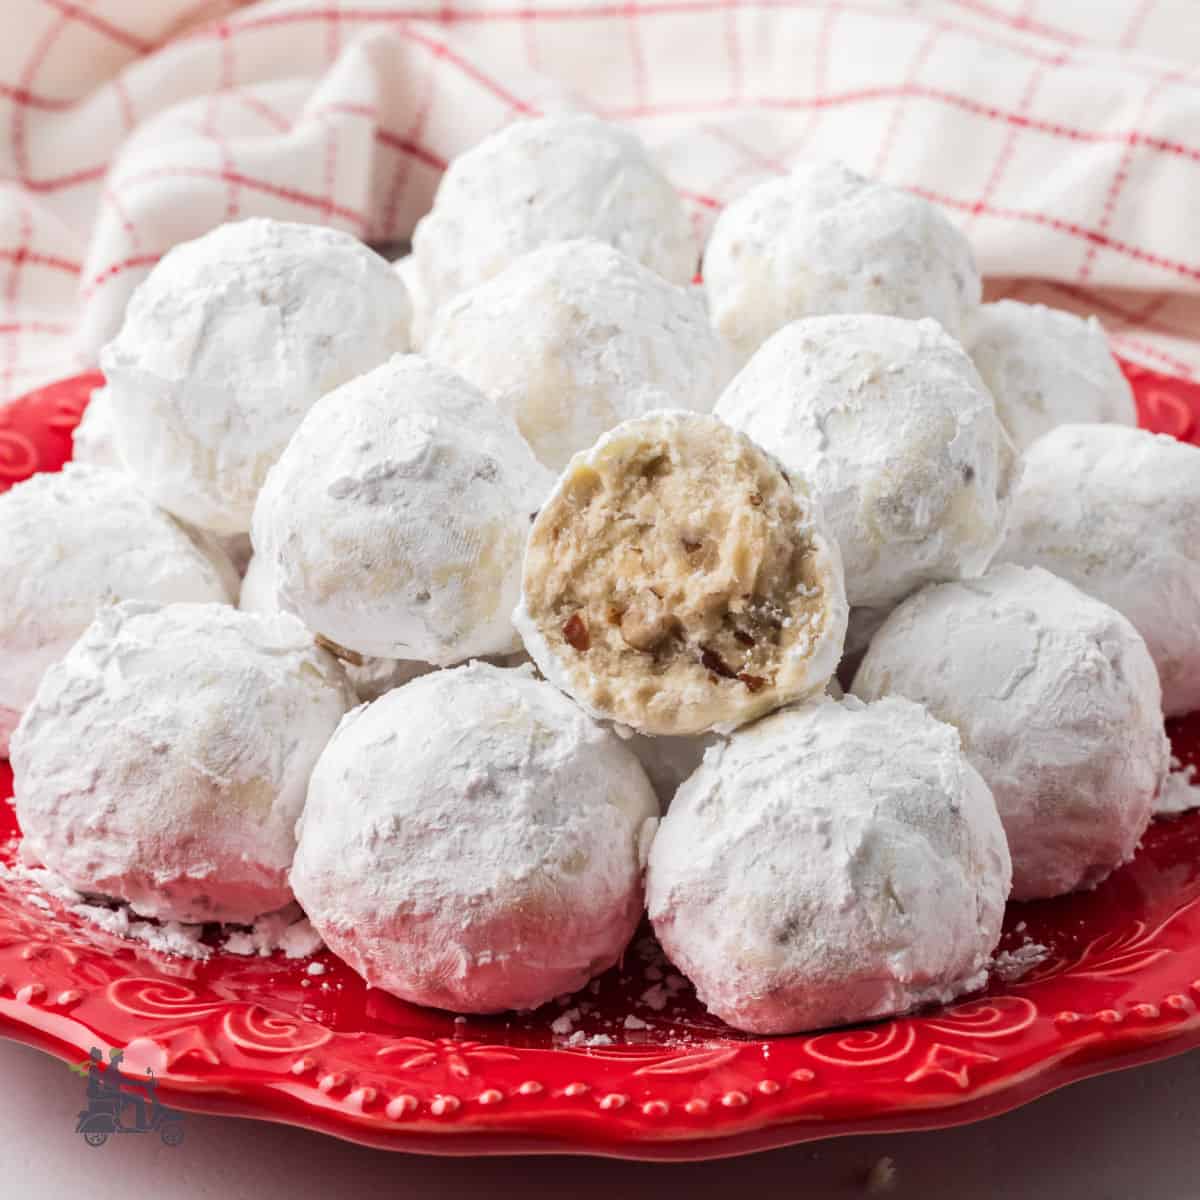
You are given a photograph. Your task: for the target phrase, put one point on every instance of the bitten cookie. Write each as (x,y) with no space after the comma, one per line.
(677,581)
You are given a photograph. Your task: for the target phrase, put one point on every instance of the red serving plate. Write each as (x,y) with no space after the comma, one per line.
(262,1038)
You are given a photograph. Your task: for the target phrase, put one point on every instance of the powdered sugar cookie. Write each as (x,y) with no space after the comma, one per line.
(549,180)
(1117,512)
(1057,702)
(201,725)
(474,842)
(835,862)
(1046,368)
(577,337)
(71,543)
(226,345)
(395,520)
(677,582)
(825,240)
(897,435)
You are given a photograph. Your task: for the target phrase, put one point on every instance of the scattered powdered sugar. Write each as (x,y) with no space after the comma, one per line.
(634,1023)
(316,968)
(167,937)
(1180,793)
(564,1024)
(579,1038)
(1011,965)
(288,930)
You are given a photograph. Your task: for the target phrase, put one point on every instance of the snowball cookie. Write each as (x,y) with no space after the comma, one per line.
(473,841)
(1058,706)
(370,677)
(677,582)
(164,761)
(825,240)
(836,862)
(72,542)
(576,338)
(549,180)
(395,520)
(227,344)
(897,435)
(1046,367)
(1117,512)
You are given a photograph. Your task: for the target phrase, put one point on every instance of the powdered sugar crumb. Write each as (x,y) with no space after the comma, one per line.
(1180,792)
(1010,965)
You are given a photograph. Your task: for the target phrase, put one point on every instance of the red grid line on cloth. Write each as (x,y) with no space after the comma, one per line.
(1143,347)
(262,109)
(124,103)
(1008,148)
(1141,318)
(35,327)
(17,125)
(11,293)
(35,259)
(1121,175)
(1024,23)
(637,60)
(213,134)
(408,144)
(1137,23)
(907,89)
(1171,266)
(114,269)
(123,37)
(280,191)
(733,52)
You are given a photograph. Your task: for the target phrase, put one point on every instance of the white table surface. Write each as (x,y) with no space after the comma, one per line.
(1130,1135)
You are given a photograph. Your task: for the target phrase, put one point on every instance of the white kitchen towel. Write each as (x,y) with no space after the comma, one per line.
(1062,135)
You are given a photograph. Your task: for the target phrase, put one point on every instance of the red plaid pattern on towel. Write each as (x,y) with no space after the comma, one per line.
(1063,135)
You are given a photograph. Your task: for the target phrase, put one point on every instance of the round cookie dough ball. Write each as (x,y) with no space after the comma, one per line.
(72,542)
(370,677)
(165,760)
(836,862)
(825,240)
(474,842)
(1117,512)
(897,435)
(549,180)
(227,344)
(1058,706)
(676,581)
(395,520)
(576,338)
(1045,368)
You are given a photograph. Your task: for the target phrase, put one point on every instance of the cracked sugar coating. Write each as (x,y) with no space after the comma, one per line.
(577,337)
(1116,512)
(201,725)
(897,435)
(549,180)
(1057,702)
(473,841)
(370,677)
(1046,368)
(72,542)
(395,520)
(227,344)
(825,240)
(677,582)
(835,862)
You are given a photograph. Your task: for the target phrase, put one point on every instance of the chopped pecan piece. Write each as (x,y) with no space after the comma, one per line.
(575,631)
